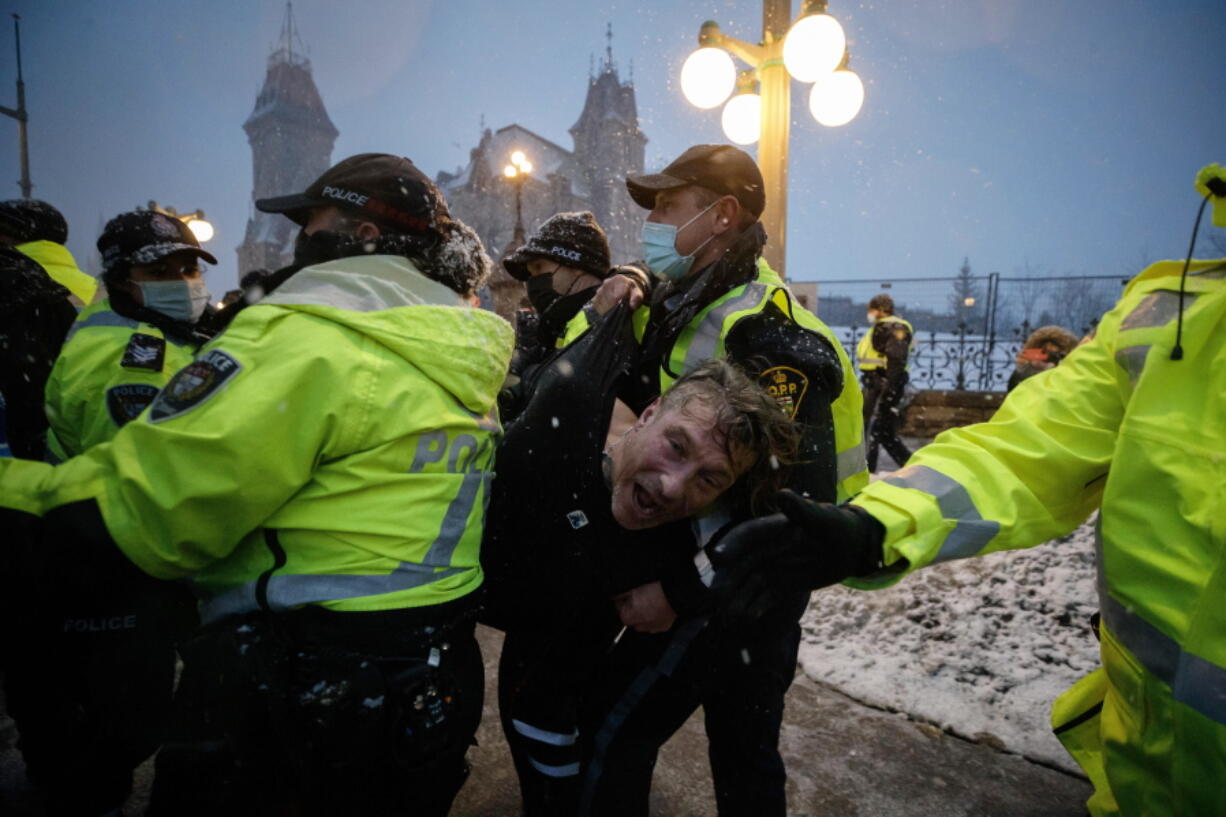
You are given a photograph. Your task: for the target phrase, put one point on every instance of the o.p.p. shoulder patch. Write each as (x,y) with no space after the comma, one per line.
(126,401)
(787,385)
(193,384)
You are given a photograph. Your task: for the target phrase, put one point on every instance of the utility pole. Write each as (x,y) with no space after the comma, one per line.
(21,116)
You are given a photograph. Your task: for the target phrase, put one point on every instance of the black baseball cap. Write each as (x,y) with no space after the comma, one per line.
(571,239)
(144,236)
(385,189)
(721,169)
(32,220)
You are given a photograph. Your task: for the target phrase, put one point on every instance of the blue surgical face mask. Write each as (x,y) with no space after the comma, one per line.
(183,300)
(660,248)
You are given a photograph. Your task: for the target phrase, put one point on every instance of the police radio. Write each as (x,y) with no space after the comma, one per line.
(1210,183)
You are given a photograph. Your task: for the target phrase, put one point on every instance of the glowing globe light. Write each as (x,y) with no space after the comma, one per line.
(814,47)
(518,157)
(525,166)
(708,77)
(742,118)
(836,98)
(201,229)
(510,172)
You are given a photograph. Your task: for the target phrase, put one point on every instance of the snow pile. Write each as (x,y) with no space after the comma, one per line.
(980,647)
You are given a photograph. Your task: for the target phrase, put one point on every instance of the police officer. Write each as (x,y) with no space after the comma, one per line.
(882,355)
(1131,424)
(562,264)
(319,471)
(717,297)
(92,704)
(40,291)
(38,230)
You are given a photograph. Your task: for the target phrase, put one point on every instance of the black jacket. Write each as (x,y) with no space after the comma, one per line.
(552,547)
(35,315)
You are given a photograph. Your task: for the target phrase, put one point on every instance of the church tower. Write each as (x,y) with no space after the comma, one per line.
(608,147)
(291,140)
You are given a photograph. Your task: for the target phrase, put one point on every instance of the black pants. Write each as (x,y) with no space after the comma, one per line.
(886,417)
(321,713)
(650,686)
(543,674)
(89,685)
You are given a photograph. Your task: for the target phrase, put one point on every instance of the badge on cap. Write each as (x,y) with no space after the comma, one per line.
(193,384)
(144,352)
(787,386)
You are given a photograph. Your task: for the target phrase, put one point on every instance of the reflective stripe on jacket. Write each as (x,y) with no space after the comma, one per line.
(333,447)
(97,385)
(63,269)
(1122,426)
(867,357)
(703,338)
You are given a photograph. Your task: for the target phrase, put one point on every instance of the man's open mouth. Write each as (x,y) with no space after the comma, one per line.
(645,501)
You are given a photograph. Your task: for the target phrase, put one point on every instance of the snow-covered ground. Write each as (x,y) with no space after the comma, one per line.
(980,647)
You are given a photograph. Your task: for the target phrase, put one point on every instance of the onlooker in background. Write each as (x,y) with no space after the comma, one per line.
(1043,350)
(882,355)
(38,230)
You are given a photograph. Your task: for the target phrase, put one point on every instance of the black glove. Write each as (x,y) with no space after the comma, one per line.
(809,545)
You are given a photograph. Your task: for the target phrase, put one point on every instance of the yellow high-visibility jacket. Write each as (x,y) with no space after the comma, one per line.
(1121,426)
(333,447)
(108,371)
(867,356)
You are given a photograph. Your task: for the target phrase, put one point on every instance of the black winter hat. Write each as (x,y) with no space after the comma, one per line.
(144,236)
(32,220)
(387,190)
(719,168)
(572,239)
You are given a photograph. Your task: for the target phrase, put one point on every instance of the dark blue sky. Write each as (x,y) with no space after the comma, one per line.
(1063,134)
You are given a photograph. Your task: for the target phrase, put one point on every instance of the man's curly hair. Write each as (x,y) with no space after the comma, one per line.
(747,420)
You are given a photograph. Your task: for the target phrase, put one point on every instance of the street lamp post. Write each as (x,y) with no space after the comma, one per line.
(19,113)
(811,49)
(517,173)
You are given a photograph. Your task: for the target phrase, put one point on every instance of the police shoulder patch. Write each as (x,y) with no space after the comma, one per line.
(787,385)
(193,384)
(144,352)
(126,401)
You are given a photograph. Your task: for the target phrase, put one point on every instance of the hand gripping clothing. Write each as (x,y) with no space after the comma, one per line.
(109,370)
(1122,427)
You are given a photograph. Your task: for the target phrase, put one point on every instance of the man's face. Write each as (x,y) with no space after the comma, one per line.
(671,465)
(680,207)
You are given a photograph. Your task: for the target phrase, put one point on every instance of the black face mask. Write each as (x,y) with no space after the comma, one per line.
(320,246)
(564,307)
(541,294)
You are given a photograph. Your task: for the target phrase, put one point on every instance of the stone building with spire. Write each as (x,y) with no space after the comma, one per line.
(291,140)
(608,146)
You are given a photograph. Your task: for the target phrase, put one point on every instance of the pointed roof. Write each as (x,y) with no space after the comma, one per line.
(607,96)
(289,91)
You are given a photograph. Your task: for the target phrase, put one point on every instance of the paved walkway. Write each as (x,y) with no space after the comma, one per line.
(844,760)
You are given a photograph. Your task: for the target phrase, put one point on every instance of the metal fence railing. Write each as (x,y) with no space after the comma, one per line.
(968,329)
